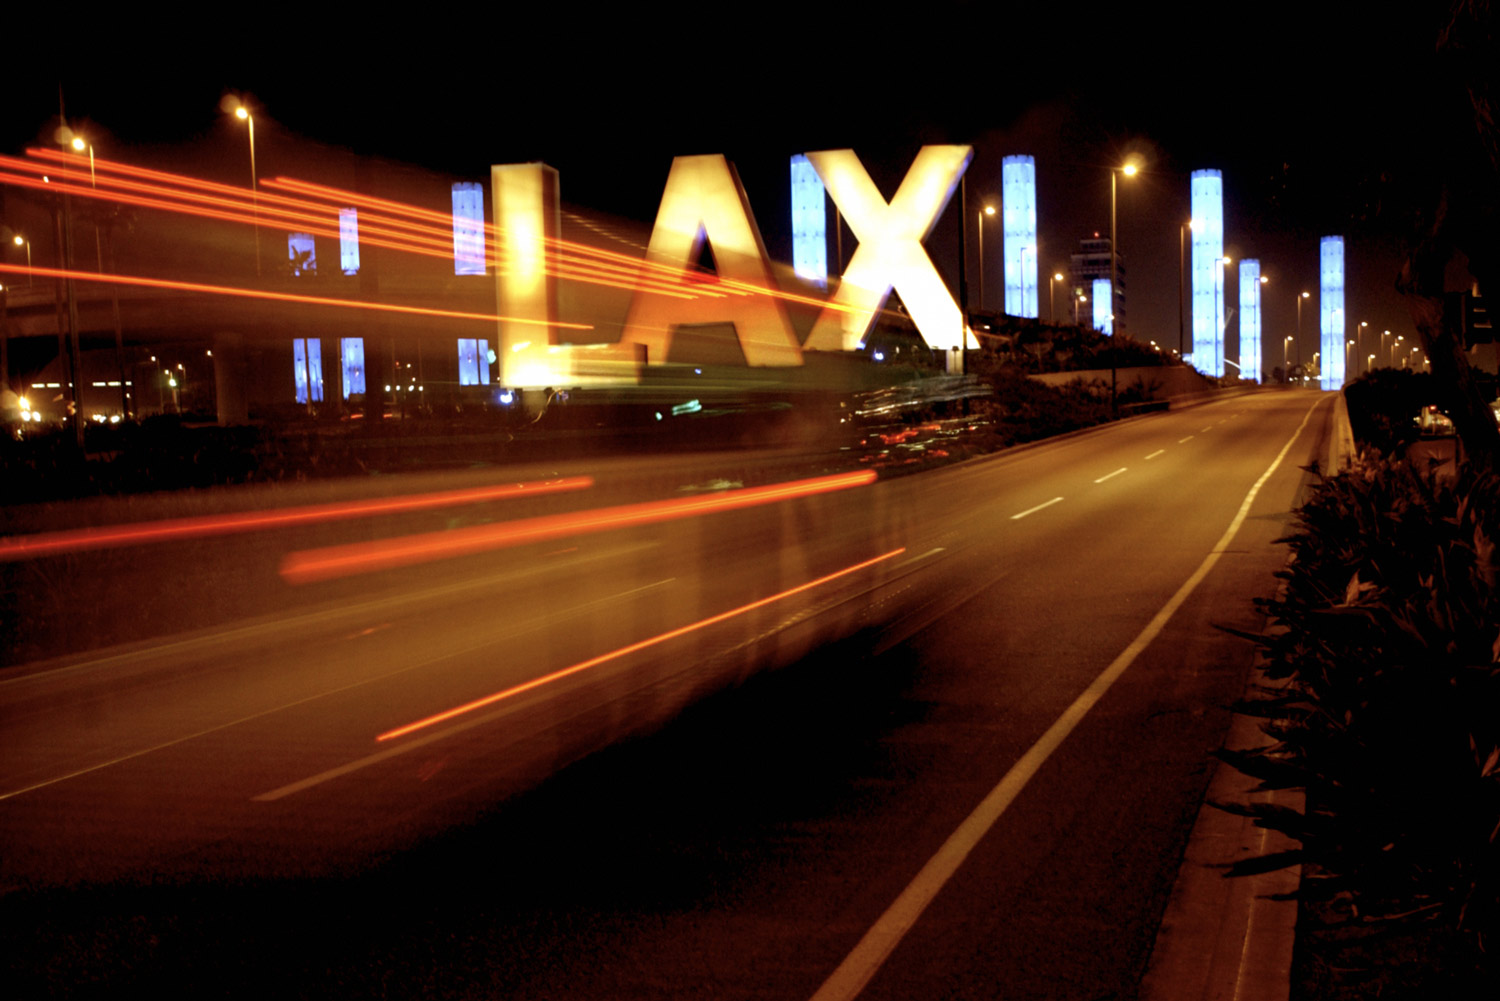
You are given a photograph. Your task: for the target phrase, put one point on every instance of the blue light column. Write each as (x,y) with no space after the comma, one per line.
(1018,209)
(349,241)
(302,253)
(468,228)
(353,351)
(473,361)
(1102,320)
(1331,310)
(1250,353)
(809,223)
(1207,189)
(307,359)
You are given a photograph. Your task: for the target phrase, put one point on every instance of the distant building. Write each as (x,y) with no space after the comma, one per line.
(1090,264)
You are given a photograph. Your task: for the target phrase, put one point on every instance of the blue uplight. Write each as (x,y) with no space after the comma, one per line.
(1207,189)
(809,223)
(1331,311)
(1018,209)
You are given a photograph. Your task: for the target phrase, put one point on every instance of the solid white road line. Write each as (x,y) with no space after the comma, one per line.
(1110,476)
(1034,510)
(1154,454)
(881,940)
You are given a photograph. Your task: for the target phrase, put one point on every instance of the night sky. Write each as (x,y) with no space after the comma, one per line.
(1302,108)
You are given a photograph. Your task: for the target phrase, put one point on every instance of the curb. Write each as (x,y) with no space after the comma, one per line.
(1222,937)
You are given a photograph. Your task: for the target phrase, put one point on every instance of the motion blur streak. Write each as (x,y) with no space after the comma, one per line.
(644,274)
(269,209)
(311,565)
(110,536)
(558,675)
(248,293)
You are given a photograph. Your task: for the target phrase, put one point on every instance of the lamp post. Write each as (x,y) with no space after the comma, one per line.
(987,210)
(1221,268)
(21,241)
(1359,339)
(1129,170)
(1051,302)
(1286,358)
(243,114)
(1300,297)
(1182,286)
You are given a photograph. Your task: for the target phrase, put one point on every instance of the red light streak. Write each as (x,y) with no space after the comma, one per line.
(115,536)
(623,651)
(310,565)
(249,293)
(262,209)
(429,237)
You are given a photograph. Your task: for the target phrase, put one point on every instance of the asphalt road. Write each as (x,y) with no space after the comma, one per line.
(233,810)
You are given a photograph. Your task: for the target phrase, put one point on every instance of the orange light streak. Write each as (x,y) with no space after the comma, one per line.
(248,293)
(310,565)
(140,533)
(623,262)
(623,271)
(624,651)
(380,231)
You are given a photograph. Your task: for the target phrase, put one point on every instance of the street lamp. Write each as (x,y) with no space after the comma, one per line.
(1182,285)
(20,241)
(1304,295)
(243,114)
(1359,336)
(1052,303)
(987,210)
(1221,266)
(1129,170)
(1286,358)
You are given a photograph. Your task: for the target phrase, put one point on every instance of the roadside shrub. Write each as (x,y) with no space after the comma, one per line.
(1385,641)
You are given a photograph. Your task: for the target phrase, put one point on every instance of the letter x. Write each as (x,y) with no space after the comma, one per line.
(890,253)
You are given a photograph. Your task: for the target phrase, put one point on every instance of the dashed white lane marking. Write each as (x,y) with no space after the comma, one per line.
(1188,438)
(1154,454)
(1034,510)
(1110,476)
(1209,428)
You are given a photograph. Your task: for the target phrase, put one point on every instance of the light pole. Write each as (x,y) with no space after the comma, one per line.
(987,210)
(1051,302)
(20,241)
(1300,297)
(1221,268)
(1182,286)
(1359,339)
(1286,358)
(243,114)
(1129,170)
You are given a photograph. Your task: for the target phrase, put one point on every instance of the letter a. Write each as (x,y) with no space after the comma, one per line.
(890,253)
(704,199)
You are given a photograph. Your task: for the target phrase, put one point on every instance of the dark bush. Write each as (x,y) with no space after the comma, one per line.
(1385,639)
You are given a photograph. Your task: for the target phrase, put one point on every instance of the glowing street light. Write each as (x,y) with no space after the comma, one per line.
(1304,295)
(243,114)
(1057,276)
(1129,169)
(21,241)
(987,210)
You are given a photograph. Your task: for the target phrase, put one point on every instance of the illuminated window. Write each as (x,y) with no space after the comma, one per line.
(468,228)
(302,253)
(473,361)
(1102,320)
(1331,310)
(1018,206)
(1250,352)
(1207,189)
(353,349)
(349,241)
(809,223)
(307,359)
